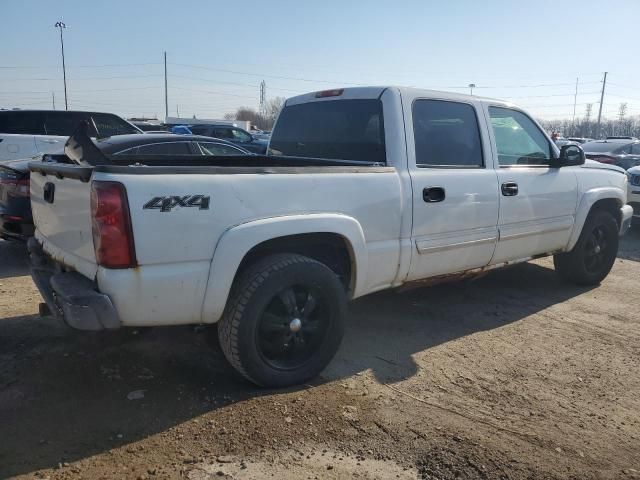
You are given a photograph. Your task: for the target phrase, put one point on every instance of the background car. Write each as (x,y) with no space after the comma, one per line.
(15,205)
(232,134)
(149,127)
(27,133)
(624,153)
(16,222)
(168,144)
(633,192)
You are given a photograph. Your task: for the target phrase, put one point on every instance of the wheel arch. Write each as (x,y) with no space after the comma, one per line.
(609,199)
(313,235)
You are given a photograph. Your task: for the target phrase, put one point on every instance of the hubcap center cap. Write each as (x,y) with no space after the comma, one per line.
(295,325)
(597,249)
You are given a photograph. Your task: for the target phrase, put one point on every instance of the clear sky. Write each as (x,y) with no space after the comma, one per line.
(218,52)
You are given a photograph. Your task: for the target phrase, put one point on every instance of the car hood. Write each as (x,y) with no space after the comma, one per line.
(601,166)
(634,170)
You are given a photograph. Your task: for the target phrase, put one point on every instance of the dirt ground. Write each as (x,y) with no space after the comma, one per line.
(516,375)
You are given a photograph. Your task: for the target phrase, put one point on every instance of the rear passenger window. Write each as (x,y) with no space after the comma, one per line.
(446,134)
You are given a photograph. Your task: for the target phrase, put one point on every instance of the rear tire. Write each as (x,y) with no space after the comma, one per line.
(595,252)
(284,320)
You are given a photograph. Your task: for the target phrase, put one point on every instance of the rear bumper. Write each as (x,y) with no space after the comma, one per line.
(70,296)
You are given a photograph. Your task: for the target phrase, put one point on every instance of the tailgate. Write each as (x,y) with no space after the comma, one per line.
(61,206)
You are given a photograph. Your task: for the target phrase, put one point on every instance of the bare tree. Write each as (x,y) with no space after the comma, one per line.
(265,122)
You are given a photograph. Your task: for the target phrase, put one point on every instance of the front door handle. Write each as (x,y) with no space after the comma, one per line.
(433,194)
(509,189)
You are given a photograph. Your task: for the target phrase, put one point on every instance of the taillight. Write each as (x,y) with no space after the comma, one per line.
(330,93)
(111,225)
(13,184)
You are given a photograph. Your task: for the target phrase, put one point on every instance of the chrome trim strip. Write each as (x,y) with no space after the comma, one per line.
(422,249)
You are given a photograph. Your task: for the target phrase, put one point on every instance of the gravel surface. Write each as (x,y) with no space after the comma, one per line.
(515,375)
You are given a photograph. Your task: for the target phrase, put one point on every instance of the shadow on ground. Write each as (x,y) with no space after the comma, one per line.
(63,394)
(630,244)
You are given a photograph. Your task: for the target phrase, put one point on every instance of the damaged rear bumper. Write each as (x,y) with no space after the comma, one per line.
(70,296)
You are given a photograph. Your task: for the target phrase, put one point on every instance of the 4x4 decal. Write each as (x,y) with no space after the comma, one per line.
(166,204)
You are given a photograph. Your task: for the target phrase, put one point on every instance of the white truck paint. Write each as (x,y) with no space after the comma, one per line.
(187,258)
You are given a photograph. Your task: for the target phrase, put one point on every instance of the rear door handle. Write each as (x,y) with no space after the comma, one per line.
(433,194)
(509,189)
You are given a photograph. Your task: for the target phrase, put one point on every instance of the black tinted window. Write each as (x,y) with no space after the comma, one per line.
(336,129)
(624,150)
(64,123)
(223,133)
(200,130)
(110,125)
(177,148)
(446,134)
(22,123)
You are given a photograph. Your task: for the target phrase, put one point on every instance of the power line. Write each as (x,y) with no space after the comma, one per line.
(78,66)
(214,93)
(555,95)
(237,72)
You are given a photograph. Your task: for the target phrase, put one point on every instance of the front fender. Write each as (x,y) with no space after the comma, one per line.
(587,201)
(236,242)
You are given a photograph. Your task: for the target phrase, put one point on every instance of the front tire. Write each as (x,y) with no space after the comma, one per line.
(595,252)
(284,320)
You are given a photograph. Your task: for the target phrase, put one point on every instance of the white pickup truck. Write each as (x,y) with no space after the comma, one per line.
(362,189)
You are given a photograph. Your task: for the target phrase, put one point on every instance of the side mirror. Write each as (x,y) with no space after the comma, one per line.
(570,155)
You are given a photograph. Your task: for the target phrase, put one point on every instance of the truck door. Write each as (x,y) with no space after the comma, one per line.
(537,202)
(455,188)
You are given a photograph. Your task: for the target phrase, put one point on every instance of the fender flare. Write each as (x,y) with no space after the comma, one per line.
(236,242)
(587,201)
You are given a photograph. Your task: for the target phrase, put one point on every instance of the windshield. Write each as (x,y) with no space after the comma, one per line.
(336,129)
(601,146)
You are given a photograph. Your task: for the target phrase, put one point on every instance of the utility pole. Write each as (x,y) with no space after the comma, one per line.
(177,112)
(62,25)
(53,99)
(575,99)
(166,95)
(471,87)
(604,84)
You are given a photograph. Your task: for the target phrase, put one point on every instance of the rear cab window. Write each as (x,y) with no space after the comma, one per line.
(334,129)
(446,134)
